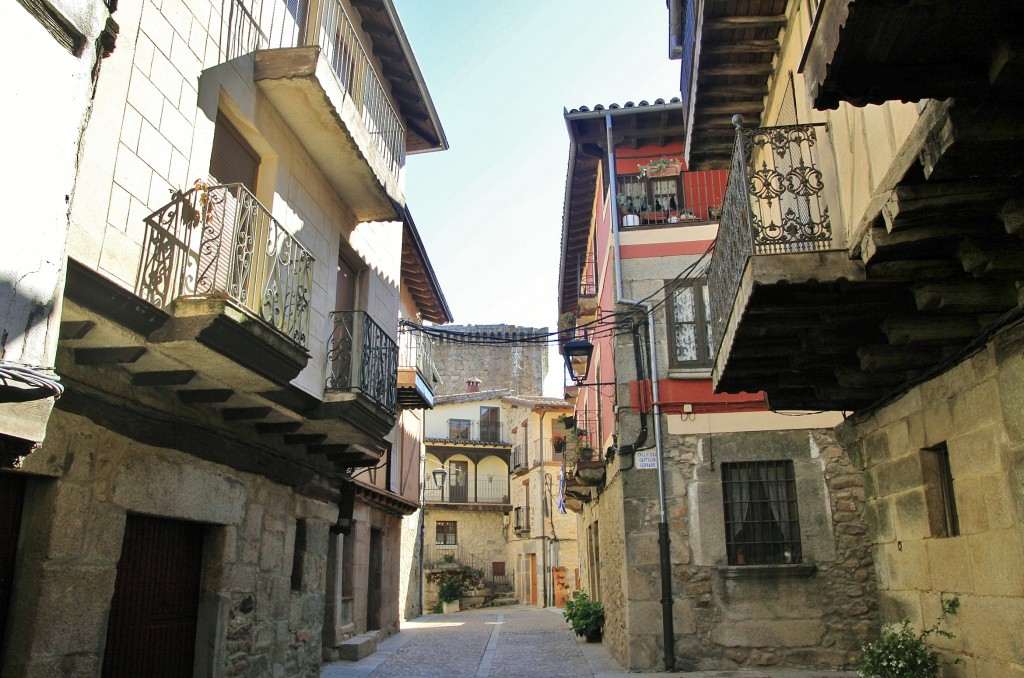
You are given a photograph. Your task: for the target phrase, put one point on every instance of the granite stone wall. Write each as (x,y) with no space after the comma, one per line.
(975,411)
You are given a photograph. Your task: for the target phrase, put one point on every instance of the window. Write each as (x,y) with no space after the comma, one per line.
(458,429)
(498,569)
(298,554)
(490,424)
(762,525)
(652,201)
(938,492)
(521,521)
(689,328)
(446,533)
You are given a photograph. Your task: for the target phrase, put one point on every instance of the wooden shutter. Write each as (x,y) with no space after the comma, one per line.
(233,161)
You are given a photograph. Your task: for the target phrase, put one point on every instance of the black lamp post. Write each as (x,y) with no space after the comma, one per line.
(577,355)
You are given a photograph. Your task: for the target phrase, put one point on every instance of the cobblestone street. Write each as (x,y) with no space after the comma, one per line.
(510,642)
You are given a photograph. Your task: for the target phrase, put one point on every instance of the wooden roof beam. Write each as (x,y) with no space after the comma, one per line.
(745,47)
(739,22)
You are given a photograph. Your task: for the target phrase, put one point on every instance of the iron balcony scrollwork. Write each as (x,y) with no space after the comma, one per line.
(221,241)
(362,357)
(416,351)
(774,204)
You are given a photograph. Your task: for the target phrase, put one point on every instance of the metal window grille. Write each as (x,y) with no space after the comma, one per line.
(446,533)
(762,524)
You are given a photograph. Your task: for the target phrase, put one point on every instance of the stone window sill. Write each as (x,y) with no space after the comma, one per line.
(766,571)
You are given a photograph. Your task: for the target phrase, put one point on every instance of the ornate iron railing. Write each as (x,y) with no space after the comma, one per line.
(362,357)
(774,204)
(415,351)
(484,488)
(273,24)
(220,240)
(689,197)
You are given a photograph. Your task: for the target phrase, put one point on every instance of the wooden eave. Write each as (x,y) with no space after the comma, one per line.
(580,191)
(419,278)
(380,21)
(871,51)
(738,42)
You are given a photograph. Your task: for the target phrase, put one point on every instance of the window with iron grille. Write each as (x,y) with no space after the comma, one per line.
(446,533)
(689,327)
(459,429)
(762,524)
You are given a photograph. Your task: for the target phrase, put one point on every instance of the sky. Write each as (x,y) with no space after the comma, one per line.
(501,73)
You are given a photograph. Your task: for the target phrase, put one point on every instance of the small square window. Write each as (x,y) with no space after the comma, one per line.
(459,429)
(762,524)
(446,533)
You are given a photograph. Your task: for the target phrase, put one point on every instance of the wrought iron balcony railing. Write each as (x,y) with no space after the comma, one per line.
(472,430)
(273,24)
(486,488)
(362,357)
(519,456)
(220,240)
(774,204)
(521,519)
(587,272)
(416,351)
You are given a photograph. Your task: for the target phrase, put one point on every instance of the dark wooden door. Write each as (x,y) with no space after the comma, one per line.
(374,599)
(12,495)
(152,627)
(458,481)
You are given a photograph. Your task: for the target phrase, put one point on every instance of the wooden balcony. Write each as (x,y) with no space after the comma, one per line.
(819,325)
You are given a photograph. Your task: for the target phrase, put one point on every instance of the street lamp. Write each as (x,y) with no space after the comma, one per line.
(440,475)
(577,355)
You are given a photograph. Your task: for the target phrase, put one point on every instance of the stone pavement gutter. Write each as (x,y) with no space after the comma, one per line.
(509,642)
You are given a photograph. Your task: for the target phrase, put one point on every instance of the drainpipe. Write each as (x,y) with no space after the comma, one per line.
(667,624)
(543,528)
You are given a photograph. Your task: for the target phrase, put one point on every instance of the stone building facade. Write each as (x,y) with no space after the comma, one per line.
(222,483)
(758,516)
(476,355)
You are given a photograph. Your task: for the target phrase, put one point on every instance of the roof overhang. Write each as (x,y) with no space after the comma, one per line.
(419,278)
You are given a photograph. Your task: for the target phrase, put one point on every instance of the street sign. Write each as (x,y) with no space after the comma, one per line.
(646,459)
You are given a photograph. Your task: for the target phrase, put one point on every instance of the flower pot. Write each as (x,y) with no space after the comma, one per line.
(558,445)
(586,453)
(450,607)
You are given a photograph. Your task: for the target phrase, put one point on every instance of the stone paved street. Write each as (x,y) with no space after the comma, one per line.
(508,642)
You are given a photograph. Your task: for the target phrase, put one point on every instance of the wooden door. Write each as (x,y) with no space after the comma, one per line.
(533,579)
(152,626)
(374,597)
(458,481)
(12,496)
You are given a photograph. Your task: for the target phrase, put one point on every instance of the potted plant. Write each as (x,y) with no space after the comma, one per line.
(449,590)
(662,167)
(558,443)
(586,616)
(568,420)
(586,452)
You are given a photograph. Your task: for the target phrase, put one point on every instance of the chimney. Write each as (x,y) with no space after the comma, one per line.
(473,385)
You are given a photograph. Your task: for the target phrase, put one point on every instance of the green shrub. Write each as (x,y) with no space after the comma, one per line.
(585,615)
(900,652)
(450,588)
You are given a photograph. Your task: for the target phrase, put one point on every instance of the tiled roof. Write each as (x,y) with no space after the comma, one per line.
(470,397)
(537,401)
(628,104)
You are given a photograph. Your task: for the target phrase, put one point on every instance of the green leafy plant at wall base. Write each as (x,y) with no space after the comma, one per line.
(900,652)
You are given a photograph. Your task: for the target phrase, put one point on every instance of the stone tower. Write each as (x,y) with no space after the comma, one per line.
(481,354)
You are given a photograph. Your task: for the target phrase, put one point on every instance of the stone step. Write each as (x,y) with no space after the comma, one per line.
(358,647)
(505,600)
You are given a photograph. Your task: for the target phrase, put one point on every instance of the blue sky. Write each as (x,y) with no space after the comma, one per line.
(500,73)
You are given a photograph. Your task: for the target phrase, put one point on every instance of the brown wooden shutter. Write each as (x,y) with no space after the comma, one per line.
(233,161)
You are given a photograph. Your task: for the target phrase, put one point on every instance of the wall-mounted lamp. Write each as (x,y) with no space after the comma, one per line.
(577,354)
(440,475)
